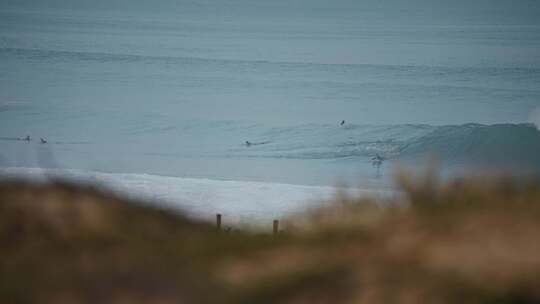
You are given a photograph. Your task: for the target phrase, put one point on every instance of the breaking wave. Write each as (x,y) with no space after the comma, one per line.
(510,144)
(499,145)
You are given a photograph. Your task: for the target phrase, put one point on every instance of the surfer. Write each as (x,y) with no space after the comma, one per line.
(43,141)
(342,123)
(377,157)
(377,160)
(248,143)
(27,138)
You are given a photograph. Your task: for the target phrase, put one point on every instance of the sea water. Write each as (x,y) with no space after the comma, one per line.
(177,88)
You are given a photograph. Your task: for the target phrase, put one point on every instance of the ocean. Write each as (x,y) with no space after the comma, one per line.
(177,88)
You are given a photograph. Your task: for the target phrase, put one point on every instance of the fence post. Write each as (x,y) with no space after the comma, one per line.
(218,221)
(276,227)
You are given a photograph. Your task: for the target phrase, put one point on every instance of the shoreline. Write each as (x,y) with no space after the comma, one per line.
(241,202)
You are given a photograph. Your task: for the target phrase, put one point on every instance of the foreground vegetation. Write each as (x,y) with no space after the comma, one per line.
(469,240)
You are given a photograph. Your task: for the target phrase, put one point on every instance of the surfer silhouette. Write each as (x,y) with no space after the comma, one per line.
(43,141)
(258,143)
(342,123)
(377,160)
(377,157)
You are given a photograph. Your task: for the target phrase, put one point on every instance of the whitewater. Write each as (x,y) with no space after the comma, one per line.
(159,100)
(239,202)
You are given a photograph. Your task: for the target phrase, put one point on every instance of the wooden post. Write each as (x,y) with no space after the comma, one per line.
(218,221)
(276,227)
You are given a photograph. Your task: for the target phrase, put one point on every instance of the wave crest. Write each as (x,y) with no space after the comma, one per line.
(499,144)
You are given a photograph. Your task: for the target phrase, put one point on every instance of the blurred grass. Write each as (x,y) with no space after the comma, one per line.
(473,239)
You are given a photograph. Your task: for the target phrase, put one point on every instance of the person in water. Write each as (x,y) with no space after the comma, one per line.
(248,143)
(377,160)
(342,123)
(378,157)
(27,138)
(43,141)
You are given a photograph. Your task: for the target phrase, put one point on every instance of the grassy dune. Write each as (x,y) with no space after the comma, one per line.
(468,240)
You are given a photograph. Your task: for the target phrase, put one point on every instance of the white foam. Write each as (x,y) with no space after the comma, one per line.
(238,201)
(534,117)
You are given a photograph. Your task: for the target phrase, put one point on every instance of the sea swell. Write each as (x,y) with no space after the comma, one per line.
(498,144)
